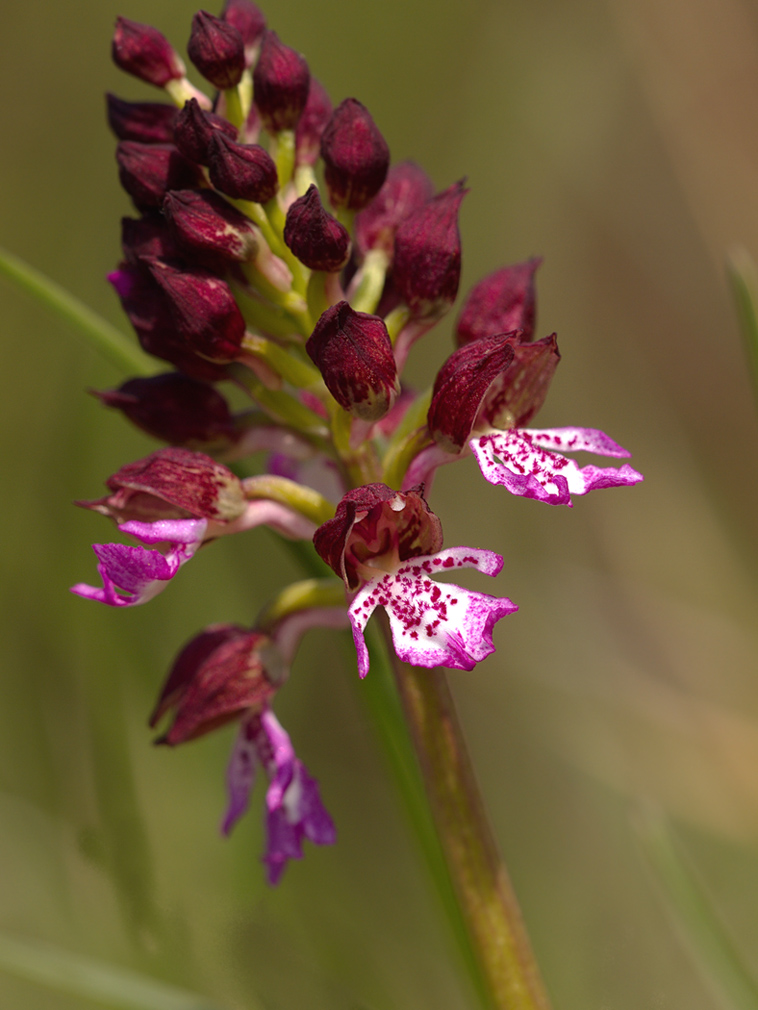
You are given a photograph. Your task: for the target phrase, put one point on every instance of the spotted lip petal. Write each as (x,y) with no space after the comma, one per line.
(432,624)
(525,462)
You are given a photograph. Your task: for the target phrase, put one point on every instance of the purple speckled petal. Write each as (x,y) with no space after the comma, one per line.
(433,624)
(520,460)
(240,775)
(139,573)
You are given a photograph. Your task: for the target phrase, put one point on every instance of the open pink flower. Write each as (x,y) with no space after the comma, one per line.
(386,545)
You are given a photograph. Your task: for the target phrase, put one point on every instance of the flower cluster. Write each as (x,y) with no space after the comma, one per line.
(276,249)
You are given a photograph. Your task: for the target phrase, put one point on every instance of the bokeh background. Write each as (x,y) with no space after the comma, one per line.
(618,139)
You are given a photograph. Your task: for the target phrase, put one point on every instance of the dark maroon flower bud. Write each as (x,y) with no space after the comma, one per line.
(217,676)
(195,128)
(249,22)
(205,224)
(217,50)
(174,409)
(353,352)
(141,50)
(500,303)
(149,312)
(172,484)
(280,84)
(427,265)
(407,188)
(372,521)
(146,122)
(356,156)
(147,236)
(495,381)
(148,171)
(317,239)
(242,171)
(317,113)
(204,309)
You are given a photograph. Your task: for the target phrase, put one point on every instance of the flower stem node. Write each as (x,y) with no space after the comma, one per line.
(352,350)
(318,240)
(144,52)
(356,156)
(217,50)
(427,263)
(195,129)
(242,171)
(280,84)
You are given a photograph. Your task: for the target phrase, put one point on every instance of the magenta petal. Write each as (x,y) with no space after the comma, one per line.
(520,460)
(240,776)
(140,574)
(433,624)
(172,531)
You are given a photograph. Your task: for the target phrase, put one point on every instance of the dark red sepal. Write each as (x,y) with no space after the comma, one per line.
(407,188)
(146,122)
(519,392)
(310,127)
(427,264)
(174,409)
(148,171)
(353,352)
(374,521)
(206,225)
(280,84)
(217,50)
(318,240)
(242,171)
(148,235)
(203,308)
(461,386)
(356,156)
(500,303)
(143,51)
(249,21)
(194,129)
(216,677)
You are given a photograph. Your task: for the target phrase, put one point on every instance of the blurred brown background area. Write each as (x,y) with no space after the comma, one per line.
(620,141)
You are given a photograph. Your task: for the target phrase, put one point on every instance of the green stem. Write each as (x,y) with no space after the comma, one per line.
(485,895)
(115,345)
(744,279)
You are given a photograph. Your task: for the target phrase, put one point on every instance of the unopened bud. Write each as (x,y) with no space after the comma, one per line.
(174,409)
(147,236)
(249,22)
(500,303)
(205,223)
(203,308)
(353,352)
(217,50)
(356,156)
(195,128)
(427,265)
(148,171)
(318,240)
(280,84)
(146,122)
(143,51)
(407,188)
(317,113)
(242,171)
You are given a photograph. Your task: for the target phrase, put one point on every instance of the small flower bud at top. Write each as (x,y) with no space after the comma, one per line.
(174,409)
(194,129)
(356,156)
(203,308)
(318,240)
(242,171)
(501,302)
(143,51)
(427,266)
(317,113)
(148,171)
(280,84)
(249,22)
(205,223)
(217,50)
(407,188)
(353,352)
(146,122)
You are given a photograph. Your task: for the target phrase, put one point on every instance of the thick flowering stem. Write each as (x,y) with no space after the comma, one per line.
(488,904)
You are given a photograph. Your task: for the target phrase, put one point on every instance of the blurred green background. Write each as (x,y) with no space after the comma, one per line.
(620,141)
